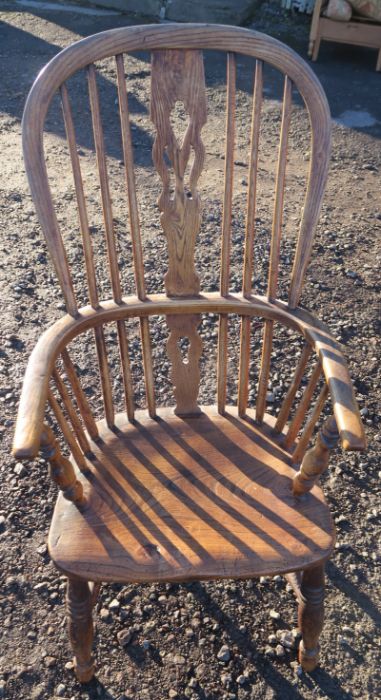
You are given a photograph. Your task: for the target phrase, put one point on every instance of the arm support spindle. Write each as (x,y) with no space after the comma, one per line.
(316,459)
(61,470)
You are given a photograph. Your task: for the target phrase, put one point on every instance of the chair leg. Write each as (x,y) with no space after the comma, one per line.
(79,602)
(311,616)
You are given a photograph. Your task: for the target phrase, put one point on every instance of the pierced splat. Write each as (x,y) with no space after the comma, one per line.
(178,77)
(185,359)
(178,89)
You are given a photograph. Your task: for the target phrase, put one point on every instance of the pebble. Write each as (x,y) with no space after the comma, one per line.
(124,637)
(2,523)
(224,653)
(146,644)
(19,469)
(241,680)
(274,615)
(114,605)
(269,651)
(61,690)
(104,615)
(295,665)
(173,694)
(287,639)
(279,650)
(50,661)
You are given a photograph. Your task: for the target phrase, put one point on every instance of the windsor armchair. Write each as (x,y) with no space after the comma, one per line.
(190,492)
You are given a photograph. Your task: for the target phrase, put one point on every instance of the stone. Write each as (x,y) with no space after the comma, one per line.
(241,679)
(2,523)
(279,651)
(224,654)
(124,637)
(287,639)
(269,651)
(104,615)
(114,605)
(173,693)
(61,690)
(19,469)
(274,615)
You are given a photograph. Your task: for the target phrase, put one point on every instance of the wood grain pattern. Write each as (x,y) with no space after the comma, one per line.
(180,499)
(185,373)
(41,363)
(178,76)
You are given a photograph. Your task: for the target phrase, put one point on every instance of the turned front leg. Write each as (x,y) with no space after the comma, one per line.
(311,616)
(61,469)
(315,461)
(79,602)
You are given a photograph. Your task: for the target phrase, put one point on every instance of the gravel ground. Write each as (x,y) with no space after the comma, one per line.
(203,640)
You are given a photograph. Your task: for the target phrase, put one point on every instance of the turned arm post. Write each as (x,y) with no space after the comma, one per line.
(315,461)
(61,470)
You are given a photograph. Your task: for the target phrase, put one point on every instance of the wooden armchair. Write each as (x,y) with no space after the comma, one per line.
(186,493)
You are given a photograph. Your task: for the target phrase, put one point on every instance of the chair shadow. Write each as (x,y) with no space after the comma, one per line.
(349,589)
(283,688)
(147,519)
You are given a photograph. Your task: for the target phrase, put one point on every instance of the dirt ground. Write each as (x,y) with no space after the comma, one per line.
(178,630)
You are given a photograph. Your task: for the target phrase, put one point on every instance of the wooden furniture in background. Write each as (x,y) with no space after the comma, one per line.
(167,494)
(360,31)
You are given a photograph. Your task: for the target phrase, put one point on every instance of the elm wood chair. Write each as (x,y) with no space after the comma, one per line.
(184,493)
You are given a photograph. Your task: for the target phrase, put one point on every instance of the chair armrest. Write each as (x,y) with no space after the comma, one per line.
(345,408)
(31,411)
(335,369)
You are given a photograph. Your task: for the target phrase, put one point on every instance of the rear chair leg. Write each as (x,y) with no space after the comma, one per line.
(311,616)
(79,602)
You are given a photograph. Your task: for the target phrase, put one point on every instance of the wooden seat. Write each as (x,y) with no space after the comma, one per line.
(181,493)
(189,498)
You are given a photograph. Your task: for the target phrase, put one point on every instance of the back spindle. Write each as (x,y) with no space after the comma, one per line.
(264,371)
(137,255)
(81,202)
(226,229)
(243,380)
